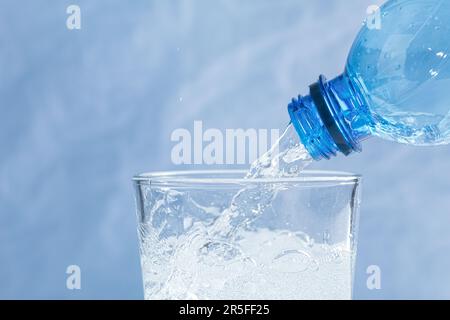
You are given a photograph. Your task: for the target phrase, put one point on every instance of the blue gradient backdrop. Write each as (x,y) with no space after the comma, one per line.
(82,111)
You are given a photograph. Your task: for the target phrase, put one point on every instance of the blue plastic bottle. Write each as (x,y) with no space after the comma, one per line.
(396,84)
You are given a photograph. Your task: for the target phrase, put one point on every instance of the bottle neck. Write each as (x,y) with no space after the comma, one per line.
(333,118)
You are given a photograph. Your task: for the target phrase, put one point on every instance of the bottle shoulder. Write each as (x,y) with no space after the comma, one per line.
(403,70)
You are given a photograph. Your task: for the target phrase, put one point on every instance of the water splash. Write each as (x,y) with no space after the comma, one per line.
(286,158)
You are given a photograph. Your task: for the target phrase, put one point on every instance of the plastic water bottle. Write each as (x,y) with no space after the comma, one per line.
(396,84)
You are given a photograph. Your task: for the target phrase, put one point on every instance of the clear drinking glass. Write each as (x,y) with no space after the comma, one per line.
(216,235)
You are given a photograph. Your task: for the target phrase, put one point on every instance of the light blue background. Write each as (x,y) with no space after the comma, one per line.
(82,111)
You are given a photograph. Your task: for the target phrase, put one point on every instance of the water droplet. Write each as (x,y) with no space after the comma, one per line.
(180,99)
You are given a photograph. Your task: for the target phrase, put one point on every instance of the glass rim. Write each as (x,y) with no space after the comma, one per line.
(224,177)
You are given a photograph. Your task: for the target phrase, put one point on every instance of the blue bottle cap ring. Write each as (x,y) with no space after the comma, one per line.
(317,95)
